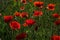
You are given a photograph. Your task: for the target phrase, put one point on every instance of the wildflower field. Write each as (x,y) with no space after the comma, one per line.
(29,19)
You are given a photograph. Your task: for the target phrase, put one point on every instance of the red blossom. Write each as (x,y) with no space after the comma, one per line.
(37,13)
(21,36)
(8,18)
(24,24)
(30,21)
(51,6)
(22,8)
(24,1)
(55,15)
(57,22)
(24,14)
(17,13)
(38,4)
(15,25)
(55,37)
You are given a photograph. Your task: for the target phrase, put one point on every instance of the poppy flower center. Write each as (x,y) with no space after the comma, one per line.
(38,5)
(51,7)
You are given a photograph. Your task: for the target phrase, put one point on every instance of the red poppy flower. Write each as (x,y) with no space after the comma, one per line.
(55,15)
(14,25)
(38,13)
(22,8)
(57,22)
(38,4)
(24,14)
(51,6)
(23,1)
(24,24)
(17,13)
(30,21)
(55,37)
(21,36)
(8,18)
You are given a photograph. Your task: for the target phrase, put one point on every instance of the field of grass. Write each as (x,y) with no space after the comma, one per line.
(45,23)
